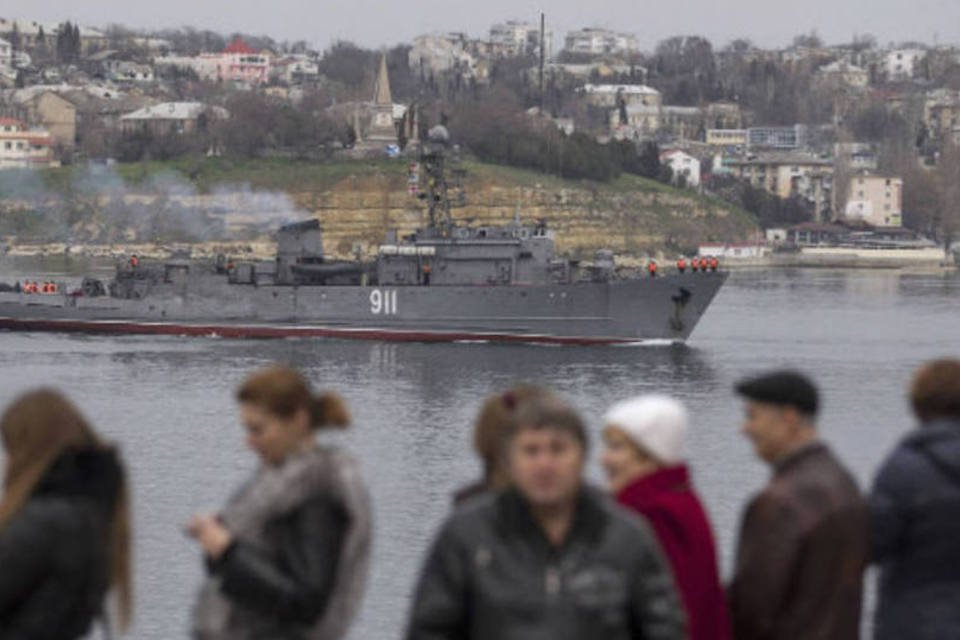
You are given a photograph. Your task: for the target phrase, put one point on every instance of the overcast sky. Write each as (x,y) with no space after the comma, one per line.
(769,23)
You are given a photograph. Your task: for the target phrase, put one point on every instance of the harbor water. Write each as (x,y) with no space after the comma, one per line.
(168,403)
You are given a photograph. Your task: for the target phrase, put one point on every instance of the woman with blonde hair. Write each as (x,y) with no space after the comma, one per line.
(288,555)
(64,522)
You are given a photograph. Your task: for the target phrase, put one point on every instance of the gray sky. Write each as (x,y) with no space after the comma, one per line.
(768,23)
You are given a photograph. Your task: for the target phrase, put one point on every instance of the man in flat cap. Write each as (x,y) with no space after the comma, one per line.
(804,539)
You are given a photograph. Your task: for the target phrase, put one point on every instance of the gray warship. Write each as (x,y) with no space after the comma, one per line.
(445,282)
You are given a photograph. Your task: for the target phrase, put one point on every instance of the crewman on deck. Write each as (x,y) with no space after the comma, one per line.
(704,265)
(134,261)
(694,265)
(714,263)
(682,265)
(652,268)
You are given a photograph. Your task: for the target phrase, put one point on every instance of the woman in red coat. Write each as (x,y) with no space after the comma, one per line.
(643,459)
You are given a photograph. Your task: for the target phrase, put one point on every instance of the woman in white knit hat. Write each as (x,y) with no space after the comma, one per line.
(646,470)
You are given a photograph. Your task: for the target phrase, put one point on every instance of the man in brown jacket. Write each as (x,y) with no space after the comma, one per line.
(804,539)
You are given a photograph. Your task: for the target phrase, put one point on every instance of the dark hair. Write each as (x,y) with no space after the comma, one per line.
(38,428)
(548,412)
(783,388)
(283,391)
(935,391)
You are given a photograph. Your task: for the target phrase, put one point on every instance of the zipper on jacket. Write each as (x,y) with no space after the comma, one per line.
(552,581)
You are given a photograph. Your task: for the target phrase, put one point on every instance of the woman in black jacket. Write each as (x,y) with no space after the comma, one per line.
(64,523)
(288,554)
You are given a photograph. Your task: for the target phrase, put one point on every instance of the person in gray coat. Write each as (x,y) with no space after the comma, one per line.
(916,515)
(548,557)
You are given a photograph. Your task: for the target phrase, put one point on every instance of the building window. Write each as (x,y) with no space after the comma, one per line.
(8,145)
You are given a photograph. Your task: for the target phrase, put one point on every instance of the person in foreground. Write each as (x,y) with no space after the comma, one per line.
(915,504)
(64,523)
(288,555)
(804,539)
(643,459)
(492,421)
(548,557)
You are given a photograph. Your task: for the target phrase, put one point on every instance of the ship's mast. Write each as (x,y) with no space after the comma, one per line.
(441,178)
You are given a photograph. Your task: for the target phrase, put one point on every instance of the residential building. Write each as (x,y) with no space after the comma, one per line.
(876,200)
(902,64)
(295,69)
(434,53)
(172,117)
(797,137)
(594,41)
(586,71)
(941,112)
(514,38)
(124,71)
(29,32)
(23,148)
(238,62)
(6,55)
(611,95)
(789,175)
(686,168)
(840,73)
(858,156)
(726,137)
(57,115)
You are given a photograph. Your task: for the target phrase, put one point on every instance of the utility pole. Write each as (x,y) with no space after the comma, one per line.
(542,54)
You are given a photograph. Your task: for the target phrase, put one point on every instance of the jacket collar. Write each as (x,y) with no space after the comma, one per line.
(934,431)
(589,516)
(95,474)
(666,479)
(798,455)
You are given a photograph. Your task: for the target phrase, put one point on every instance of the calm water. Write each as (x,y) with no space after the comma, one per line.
(168,402)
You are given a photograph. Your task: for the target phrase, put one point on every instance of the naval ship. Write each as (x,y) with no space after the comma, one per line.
(447,281)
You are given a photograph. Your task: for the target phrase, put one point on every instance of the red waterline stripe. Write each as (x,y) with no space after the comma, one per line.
(252,331)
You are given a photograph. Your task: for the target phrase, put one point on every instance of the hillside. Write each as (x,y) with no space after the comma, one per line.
(357,201)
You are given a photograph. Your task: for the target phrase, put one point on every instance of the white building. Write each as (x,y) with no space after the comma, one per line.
(439,53)
(513,38)
(609,95)
(23,148)
(682,164)
(6,55)
(841,73)
(595,41)
(295,68)
(902,64)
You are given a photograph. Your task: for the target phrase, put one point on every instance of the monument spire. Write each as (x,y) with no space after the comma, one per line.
(381,93)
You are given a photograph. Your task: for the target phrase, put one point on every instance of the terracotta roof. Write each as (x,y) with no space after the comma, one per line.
(238,46)
(5,122)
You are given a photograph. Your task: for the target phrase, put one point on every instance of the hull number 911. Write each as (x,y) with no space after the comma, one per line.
(383,302)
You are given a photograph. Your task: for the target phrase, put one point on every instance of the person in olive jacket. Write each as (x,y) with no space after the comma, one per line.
(288,555)
(916,516)
(804,539)
(64,523)
(548,557)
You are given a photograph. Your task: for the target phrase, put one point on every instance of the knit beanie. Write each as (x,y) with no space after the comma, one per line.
(656,423)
